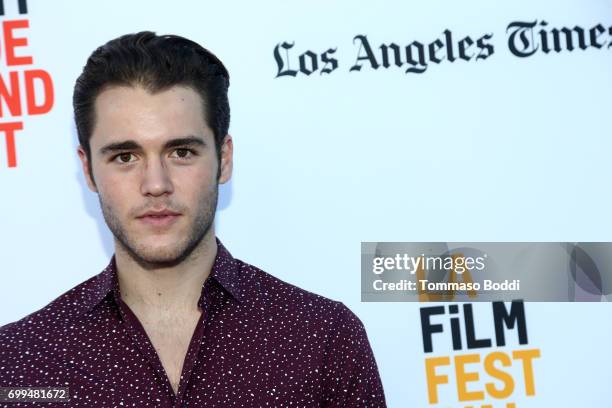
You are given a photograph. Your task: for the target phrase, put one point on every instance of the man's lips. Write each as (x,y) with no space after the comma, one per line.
(162,218)
(160,213)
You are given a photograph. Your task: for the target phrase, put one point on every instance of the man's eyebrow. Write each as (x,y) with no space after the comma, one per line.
(192,141)
(132,145)
(118,146)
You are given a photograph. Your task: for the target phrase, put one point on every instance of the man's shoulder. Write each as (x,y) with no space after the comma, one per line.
(63,309)
(267,292)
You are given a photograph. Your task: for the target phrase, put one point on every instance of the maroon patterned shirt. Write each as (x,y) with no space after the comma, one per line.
(260,342)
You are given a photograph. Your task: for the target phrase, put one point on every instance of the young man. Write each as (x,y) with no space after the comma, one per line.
(175,320)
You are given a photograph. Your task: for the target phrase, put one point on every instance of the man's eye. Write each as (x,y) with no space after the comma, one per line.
(182,153)
(124,158)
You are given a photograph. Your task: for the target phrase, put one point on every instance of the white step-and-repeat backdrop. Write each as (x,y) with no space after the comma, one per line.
(380,121)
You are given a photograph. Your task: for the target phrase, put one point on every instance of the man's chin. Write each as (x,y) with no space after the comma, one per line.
(153,252)
(155,256)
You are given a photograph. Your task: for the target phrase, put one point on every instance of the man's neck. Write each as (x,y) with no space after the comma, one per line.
(165,289)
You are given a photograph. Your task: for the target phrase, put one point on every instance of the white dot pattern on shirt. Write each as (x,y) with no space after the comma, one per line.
(265,343)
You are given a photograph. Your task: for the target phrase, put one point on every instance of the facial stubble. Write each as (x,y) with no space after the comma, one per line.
(149,257)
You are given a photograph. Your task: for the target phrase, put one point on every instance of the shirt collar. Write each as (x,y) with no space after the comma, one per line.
(225,271)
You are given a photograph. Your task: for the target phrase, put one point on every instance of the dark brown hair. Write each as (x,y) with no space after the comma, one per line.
(155,63)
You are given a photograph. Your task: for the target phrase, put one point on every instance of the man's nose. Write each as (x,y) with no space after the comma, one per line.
(156,178)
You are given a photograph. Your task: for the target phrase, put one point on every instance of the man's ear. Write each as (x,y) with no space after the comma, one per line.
(227,159)
(85,163)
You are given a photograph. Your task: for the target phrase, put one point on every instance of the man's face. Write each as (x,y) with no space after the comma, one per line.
(154,166)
